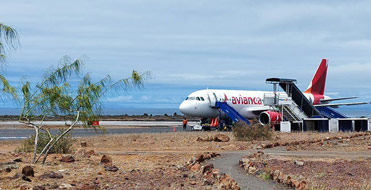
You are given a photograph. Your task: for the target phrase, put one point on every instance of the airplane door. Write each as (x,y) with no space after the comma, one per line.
(212,99)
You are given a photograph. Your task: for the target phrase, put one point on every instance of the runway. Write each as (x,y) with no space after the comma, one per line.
(120,127)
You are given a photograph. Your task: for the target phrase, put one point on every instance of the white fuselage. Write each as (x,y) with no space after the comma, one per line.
(199,103)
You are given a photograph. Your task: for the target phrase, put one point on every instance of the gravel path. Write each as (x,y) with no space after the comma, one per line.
(228,163)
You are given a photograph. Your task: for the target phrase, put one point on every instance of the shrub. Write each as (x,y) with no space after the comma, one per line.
(64,146)
(244,132)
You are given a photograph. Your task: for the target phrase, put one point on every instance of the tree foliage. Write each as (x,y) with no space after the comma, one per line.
(9,39)
(59,94)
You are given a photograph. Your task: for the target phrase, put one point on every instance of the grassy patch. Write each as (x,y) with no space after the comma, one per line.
(244,132)
(64,146)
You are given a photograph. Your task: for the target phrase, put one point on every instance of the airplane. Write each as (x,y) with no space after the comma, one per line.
(250,104)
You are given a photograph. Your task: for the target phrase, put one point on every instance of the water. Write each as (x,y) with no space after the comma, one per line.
(350,111)
(116,111)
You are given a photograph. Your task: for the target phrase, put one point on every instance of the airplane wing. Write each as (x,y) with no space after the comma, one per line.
(341,104)
(258,110)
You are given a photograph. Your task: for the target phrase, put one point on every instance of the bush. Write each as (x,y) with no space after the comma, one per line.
(244,132)
(64,146)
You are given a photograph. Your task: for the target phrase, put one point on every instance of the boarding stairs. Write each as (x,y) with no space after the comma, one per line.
(297,107)
(292,113)
(299,98)
(284,104)
(294,106)
(231,112)
(214,102)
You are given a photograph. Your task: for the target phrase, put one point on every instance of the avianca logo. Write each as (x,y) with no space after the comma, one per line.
(244,100)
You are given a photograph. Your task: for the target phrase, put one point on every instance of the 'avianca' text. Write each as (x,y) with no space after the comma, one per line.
(246,100)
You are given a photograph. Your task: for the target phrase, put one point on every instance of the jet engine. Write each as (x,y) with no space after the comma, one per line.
(270,117)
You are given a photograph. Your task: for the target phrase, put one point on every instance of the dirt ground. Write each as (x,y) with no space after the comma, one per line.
(154,161)
(340,163)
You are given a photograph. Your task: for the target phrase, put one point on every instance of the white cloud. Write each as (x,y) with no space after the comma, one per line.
(200,43)
(120,99)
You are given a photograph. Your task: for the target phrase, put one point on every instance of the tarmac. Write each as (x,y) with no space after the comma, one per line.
(9,130)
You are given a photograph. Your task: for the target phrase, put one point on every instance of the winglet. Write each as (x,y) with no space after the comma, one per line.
(318,83)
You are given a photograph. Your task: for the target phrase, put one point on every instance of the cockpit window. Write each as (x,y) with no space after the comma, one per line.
(202,98)
(198,98)
(187,98)
(191,98)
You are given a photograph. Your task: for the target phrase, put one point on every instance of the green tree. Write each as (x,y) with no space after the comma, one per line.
(56,95)
(9,40)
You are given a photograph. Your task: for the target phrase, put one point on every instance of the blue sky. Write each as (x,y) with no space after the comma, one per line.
(192,45)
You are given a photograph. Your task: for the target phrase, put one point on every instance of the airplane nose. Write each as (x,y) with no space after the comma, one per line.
(183,108)
(186,108)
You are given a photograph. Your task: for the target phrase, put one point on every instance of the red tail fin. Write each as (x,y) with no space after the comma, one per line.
(317,85)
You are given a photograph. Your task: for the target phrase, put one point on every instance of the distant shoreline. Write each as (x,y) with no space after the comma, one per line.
(143,117)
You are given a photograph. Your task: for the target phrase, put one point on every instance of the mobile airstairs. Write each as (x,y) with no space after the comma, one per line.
(300,114)
(227,109)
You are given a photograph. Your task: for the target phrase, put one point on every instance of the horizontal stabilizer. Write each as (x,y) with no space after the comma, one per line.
(341,104)
(337,99)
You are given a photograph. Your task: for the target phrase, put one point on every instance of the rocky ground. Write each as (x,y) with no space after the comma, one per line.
(161,161)
(342,162)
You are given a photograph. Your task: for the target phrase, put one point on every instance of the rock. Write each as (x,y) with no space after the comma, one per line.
(67,159)
(207,156)
(287,180)
(18,160)
(28,171)
(209,179)
(26,178)
(221,138)
(199,158)
(65,186)
(259,172)
(193,182)
(196,167)
(54,186)
(302,186)
(111,168)
(38,187)
(258,147)
(215,172)
(294,183)
(252,170)
(106,160)
(24,187)
(227,182)
(299,163)
(207,168)
(199,139)
(52,175)
(213,155)
(83,144)
(89,153)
